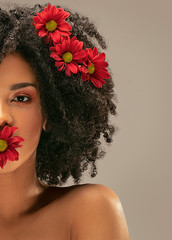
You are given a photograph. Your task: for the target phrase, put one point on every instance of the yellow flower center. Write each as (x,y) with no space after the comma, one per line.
(67,57)
(3,145)
(51,25)
(91,69)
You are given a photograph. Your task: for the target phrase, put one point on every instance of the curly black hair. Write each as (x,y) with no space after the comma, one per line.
(77,112)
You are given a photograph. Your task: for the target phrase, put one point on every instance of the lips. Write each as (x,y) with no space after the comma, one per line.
(8,143)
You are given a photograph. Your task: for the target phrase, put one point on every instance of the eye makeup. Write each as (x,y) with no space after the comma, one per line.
(30,95)
(23,96)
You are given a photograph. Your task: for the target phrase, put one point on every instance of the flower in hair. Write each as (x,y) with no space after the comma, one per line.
(51,23)
(8,145)
(68,54)
(94,67)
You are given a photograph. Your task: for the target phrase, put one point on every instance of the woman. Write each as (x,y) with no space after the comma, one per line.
(55,98)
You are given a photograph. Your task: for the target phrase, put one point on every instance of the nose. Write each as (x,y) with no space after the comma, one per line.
(5,116)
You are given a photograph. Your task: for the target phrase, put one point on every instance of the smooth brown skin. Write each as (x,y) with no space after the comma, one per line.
(30,209)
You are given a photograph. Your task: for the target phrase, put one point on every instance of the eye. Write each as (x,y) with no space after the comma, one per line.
(22,98)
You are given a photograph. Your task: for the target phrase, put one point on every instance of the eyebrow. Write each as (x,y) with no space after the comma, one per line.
(22,85)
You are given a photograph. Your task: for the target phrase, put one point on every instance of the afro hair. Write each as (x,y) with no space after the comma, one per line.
(77,112)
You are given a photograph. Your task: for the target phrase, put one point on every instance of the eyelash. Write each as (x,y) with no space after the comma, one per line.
(23,102)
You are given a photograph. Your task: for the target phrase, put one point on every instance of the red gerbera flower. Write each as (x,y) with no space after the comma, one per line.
(51,23)
(94,67)
(8,145)
(68,54)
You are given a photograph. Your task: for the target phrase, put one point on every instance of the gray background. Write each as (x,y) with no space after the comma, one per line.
(138,164)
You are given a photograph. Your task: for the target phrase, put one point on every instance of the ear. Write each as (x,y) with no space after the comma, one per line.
(44,124)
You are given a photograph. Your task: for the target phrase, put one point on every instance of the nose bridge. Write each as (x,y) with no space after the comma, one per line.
(5,116)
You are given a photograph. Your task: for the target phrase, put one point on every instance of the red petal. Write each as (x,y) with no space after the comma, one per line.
(9,155)
(53,49)
(78,55)
(8,132)
(89,64)
(14,152)
(99,58)
(5,132)
(53,11)
(59,64)
(3,163)
(39,26)
(65,27)
(42,32)
(90,53)
(72,67)
(96,82)
(101,64)
(103,74)
(94,52)
(74,46)
(61,68)
(39,16)
(37,20)
(66,34)
(101,80)
(80,44)
(73,39)
(13,129)
(84,76)
(87,52)
(62,15)
(47,8)
(59,49)
(19,145)
(83,69)
(68,72)
(55,36)
(84,61)
(61,39)
(15,140)
(44,17)
(65,45)
(56,57)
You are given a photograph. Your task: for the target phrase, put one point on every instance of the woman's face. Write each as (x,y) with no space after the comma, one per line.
(20,107)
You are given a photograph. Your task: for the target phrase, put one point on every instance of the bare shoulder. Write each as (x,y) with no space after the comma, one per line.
(96,213)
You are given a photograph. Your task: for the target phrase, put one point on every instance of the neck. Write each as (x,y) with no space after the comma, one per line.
(18,190)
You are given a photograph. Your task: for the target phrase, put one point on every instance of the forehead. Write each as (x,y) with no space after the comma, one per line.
(14,69)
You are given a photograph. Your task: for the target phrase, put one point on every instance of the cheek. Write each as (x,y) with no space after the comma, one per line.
(30,127)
